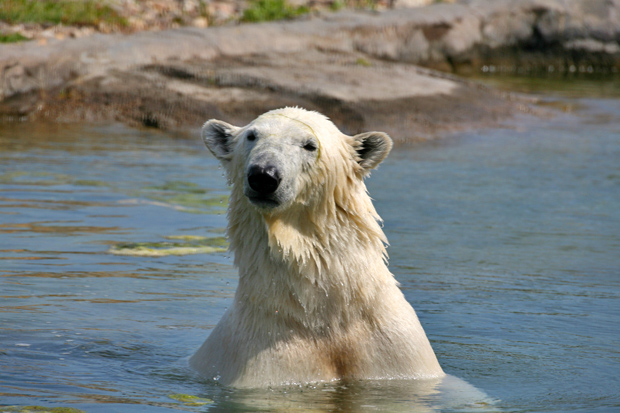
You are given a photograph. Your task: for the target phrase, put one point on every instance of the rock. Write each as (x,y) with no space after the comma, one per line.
(221,12)
(357,67)
(411,3)
(191,6)
(357,92)
(415,3)
(593,46)
(200,22)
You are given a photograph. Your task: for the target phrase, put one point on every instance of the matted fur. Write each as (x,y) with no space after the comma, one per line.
(315,301)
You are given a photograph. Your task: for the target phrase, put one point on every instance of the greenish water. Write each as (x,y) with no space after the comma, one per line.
(506,242)
(556,84)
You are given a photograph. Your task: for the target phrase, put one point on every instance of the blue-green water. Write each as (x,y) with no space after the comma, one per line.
(506,242)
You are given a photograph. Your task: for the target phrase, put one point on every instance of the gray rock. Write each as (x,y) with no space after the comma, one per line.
(358,67)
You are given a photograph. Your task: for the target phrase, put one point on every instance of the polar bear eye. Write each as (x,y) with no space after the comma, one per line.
(310,146)
(251,136)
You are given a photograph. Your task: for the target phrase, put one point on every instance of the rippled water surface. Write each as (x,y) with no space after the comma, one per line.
(506,241)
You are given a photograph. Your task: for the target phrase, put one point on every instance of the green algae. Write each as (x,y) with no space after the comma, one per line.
(34,178)
(195,203)
(178,186)
(90,182)
(189,195)
(189,400)
(195,238)
(183,245)
(39,409)
(46,179)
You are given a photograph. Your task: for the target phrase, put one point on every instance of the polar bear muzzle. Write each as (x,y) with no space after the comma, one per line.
(263,181)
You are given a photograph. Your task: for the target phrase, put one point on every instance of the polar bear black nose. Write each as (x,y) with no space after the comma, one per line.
(264,179)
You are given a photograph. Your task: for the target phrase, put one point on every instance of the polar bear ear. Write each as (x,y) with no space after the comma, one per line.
(372,148)
(218,136)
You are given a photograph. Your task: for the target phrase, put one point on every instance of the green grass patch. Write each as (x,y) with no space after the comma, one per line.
(12,38)
(337,5)
(67,12)
(266,10)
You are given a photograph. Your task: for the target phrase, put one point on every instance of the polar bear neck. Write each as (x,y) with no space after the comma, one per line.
(308,265)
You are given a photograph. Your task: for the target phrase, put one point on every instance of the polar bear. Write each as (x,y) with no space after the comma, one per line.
(315,301)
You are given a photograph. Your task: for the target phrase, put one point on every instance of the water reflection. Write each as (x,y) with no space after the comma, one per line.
(449,393)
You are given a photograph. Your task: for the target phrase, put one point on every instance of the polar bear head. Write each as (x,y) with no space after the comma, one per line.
(292,156)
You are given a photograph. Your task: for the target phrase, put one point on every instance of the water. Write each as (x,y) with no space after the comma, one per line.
(506,241)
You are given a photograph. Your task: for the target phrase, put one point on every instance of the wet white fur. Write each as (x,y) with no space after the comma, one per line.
(315,301)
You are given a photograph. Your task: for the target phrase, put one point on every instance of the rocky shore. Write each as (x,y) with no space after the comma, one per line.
(388,70)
